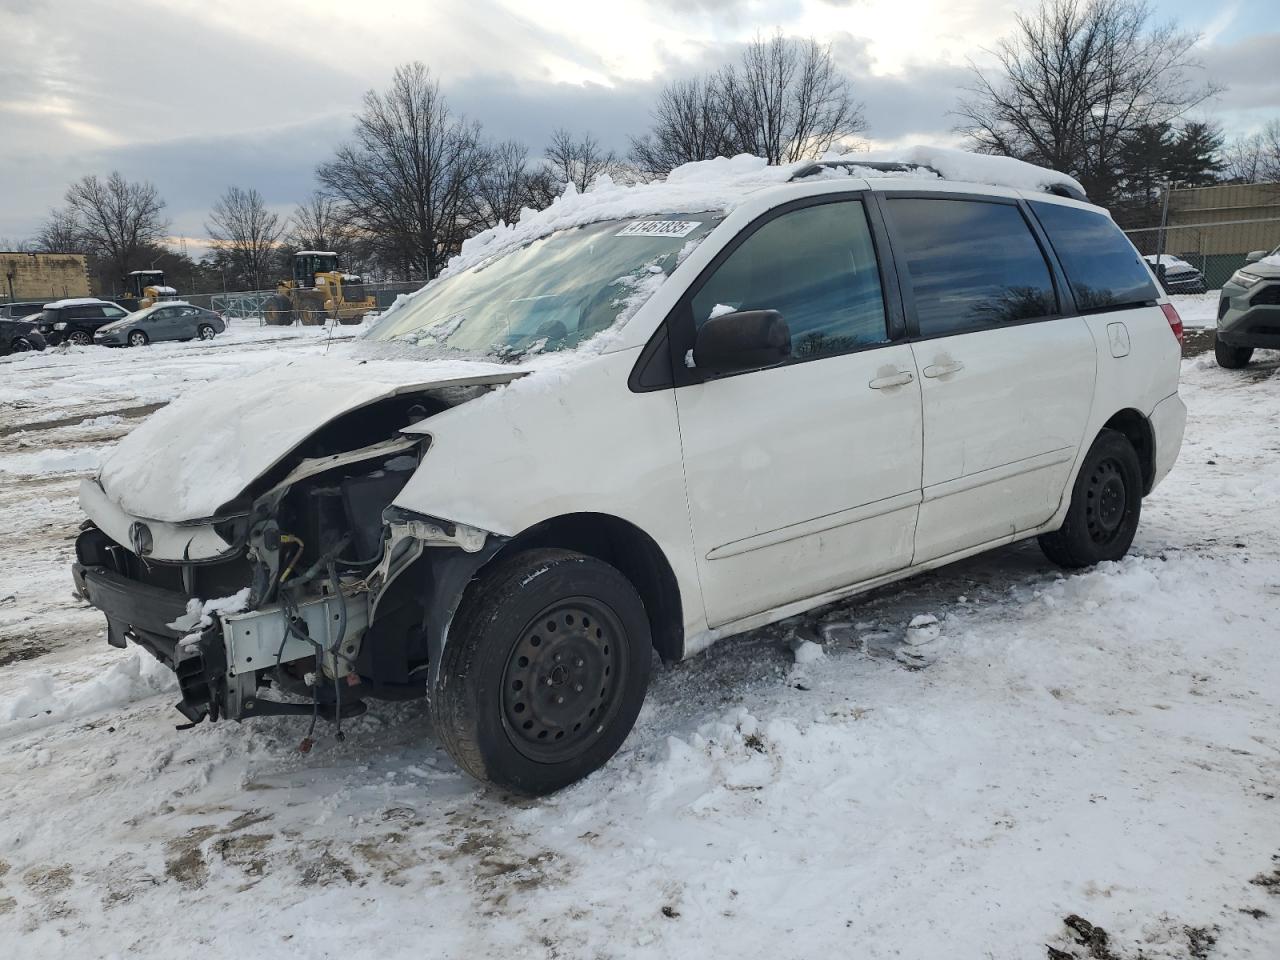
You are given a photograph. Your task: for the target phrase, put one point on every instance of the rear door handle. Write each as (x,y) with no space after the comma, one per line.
(899,379)
(935,370)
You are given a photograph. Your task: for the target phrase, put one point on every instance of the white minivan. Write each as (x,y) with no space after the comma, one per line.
(641,420)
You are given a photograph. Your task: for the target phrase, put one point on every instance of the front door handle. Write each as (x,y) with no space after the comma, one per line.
(935,370)
(899,379)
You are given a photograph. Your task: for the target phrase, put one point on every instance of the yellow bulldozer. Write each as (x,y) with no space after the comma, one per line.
(318,291)
(148,286)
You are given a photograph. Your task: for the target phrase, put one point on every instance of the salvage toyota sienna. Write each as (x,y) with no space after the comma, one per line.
(639,421)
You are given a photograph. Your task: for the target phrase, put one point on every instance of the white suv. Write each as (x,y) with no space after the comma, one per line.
(642,420)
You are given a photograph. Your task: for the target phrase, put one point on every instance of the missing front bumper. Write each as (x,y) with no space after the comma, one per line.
(219,671)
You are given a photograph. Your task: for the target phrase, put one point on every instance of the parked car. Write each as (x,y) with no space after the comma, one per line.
(646,420)
(76,320)
(167,320)
(19,336)
(1249,310)
(1176,275)
(19,309)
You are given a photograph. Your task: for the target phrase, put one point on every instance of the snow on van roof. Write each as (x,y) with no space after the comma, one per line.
(314,253)
(721,184)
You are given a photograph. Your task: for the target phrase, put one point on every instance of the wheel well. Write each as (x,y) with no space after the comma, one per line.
(629,549)
(1137,429)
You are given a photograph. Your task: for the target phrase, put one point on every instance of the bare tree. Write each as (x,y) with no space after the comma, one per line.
(690,122)
(409,174)
(787,101)
(579,161)
(1076,81)
(1254,158)
(117,219)
(784,100)
(319,223)
(246,233)
(61,232)
(505,186)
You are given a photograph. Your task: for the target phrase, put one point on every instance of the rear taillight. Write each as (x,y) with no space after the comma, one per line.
(1175,321)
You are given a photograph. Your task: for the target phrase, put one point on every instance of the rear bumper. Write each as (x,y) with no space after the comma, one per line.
(1168,422)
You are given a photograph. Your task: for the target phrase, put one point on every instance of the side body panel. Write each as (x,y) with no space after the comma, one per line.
(801,478)
(556,444)
(1002,431)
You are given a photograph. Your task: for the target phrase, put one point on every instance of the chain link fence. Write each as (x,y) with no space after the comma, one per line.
(1216,250)
(254,304)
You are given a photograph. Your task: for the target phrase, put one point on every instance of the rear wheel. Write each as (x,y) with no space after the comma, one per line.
(137,338)
(544,672)
(1106,504)
(79,338)
(1231,358)
(207,332)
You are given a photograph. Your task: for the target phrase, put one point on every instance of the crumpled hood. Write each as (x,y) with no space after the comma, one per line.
(202,450)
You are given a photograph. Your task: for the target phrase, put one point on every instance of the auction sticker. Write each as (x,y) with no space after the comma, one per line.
(658,228)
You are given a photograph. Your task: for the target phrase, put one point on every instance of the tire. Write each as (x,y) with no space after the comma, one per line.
(80,338)
(1231,358)
(207,332)
(1106,505)
(516,702)
(21,345)
(137,338)
(279,311)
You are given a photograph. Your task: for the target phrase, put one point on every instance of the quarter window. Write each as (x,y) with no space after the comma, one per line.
(817,267)
(1101,265)
(971,264)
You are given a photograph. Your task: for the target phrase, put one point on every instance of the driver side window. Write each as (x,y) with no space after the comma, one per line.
(817,267)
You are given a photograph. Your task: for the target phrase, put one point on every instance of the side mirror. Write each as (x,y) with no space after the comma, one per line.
(1253,256)
(746,340)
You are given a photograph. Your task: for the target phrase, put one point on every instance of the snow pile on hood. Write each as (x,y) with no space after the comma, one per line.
(202,450)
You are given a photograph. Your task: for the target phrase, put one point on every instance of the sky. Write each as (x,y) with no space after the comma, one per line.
(196,96)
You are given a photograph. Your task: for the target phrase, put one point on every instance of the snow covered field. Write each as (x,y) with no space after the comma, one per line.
(1102,747)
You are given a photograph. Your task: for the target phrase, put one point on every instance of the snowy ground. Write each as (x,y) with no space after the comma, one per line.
(1103,747)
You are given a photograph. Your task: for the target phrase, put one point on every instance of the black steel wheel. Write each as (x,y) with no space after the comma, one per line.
(1106,505)
(560,687)
(544,672)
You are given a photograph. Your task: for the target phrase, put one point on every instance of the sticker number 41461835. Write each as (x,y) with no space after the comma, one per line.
(658,228)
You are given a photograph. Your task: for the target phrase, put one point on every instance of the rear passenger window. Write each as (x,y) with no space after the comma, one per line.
(1102,266)
(817,267)
(971,264)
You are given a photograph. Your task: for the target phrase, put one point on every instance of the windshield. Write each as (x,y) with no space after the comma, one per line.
(551,294)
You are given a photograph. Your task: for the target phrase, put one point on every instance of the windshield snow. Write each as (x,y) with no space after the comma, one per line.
(551,294)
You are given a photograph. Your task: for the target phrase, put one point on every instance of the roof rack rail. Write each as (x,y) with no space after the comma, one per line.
(884,166)
(1057,189)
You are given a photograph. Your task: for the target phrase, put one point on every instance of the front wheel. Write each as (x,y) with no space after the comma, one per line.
(21,345)
(1229,357)
(544,672)
(137,338)
(207,332)
(1106,504)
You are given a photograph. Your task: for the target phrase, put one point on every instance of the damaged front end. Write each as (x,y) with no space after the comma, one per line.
(307,593)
